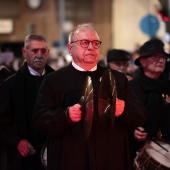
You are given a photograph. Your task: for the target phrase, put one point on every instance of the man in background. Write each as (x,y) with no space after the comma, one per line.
(22,142)
(118,59)
(152,86)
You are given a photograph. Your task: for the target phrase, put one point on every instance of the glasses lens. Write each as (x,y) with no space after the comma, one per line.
(158,57)
(96,44)
(84,43)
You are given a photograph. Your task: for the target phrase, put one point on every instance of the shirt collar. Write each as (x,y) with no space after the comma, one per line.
(34,73)
(81,69)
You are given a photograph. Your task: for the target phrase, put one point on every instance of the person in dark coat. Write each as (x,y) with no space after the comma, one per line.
(22,141)
(152,87)
(118,59)
(4,73)
(58,111)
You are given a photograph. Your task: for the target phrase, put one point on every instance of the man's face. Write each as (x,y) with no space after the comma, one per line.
(84,56)
(36,55)
(119,65)
(153,64)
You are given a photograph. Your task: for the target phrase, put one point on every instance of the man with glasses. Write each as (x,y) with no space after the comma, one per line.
(77,139)
(18,95)
(152,86)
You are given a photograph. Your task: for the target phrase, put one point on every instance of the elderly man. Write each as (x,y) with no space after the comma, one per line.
(152,88)
(17,99)
(60,115)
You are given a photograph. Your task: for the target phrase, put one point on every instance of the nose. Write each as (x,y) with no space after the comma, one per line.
(90,46)
(39,53)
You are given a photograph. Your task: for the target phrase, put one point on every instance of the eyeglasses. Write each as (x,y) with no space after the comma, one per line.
(37,50)
(158,57)
(85,43)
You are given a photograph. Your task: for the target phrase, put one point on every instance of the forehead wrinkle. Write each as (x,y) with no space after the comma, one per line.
(87,34)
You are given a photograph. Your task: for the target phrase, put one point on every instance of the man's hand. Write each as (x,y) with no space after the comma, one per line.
(75,113)
(140,134)
(120,105)
(25,148)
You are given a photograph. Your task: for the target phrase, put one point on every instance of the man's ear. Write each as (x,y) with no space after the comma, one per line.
(142,61)
(24,52)
(69,47)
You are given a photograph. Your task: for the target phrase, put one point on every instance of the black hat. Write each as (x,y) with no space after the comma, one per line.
(153,46)
(118,55)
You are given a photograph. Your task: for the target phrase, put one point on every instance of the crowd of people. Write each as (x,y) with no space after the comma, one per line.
(47,122)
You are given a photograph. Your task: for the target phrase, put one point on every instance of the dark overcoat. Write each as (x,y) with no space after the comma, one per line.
(17,99)
(154,95)
(67,149)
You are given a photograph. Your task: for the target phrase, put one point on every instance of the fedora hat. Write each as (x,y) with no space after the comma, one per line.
(151,47)
(118,55)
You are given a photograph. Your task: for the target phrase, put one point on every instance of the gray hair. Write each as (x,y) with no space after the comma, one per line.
(32,37)
(77,28)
